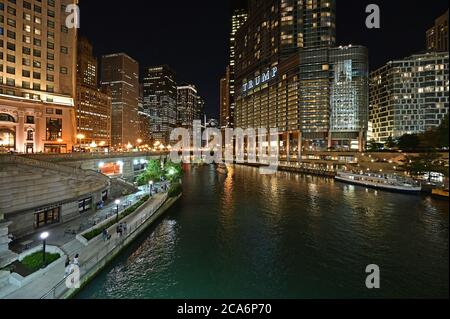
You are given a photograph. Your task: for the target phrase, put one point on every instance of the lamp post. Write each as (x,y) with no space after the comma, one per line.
(80,137)
(117,202)
(44,237)
(150,186)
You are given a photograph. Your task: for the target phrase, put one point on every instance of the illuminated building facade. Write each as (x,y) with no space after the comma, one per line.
(93,105)
(225,100)
(160,99)
(37,77)
(437,36)
(120,75)
(409,96)
(291,77)
(237,21)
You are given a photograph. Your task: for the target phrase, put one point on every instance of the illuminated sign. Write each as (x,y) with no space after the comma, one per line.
(260,79)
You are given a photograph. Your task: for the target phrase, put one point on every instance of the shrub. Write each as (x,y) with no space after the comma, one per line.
(175,190)
(34,262)
(97,231)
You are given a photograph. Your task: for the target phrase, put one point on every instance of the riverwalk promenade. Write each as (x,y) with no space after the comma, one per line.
(50,283)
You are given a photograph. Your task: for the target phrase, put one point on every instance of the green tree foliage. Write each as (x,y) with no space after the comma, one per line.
(425,163)
(155,170)
(152,173)
(373,146)
(409,142)
(173,171)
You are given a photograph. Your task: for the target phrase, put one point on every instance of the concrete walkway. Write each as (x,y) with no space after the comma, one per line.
(62,234)
(53,285)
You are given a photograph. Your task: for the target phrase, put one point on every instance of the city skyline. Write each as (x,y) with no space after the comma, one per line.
(204,62)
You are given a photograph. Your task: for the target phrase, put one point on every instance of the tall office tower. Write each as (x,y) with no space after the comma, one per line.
(287,72)
(145,135)
(37,77)
(160,99)
(225,100)
(409,95)
(437,36)
(237,21)
(200,112)
(349,97)
(93,104)
(187,110)
(120,74)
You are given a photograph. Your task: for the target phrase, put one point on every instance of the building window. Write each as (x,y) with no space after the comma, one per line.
(30,119)
(85,205)
(47,216)
(30,135)
(54,129)
(6,118)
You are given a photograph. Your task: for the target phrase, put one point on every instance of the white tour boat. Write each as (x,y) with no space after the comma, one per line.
(386,182)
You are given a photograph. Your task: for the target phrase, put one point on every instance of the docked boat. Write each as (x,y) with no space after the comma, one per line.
(393,183)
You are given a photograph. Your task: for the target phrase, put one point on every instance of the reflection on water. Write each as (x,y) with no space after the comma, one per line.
(246,235)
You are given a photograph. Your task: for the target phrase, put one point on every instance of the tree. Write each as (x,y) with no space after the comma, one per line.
(152,173)
(173,171)
(409,142)
(390,143)
(442,133)
(373,146)
(423,164)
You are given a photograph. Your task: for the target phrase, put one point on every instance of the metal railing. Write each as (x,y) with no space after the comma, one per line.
(116,243)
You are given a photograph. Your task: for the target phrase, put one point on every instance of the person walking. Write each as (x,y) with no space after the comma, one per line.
(76,261)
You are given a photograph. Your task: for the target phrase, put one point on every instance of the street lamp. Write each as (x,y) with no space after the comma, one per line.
(117,202)
(80,137)
(44,237)
(150,185)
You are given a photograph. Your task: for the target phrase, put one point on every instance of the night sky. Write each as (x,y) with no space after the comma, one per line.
(192,36)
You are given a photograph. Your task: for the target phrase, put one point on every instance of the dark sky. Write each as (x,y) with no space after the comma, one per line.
(192,35)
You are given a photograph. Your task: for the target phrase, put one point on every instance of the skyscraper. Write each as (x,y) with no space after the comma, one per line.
(188,106)
(290,76)
(120,74)
(93,105)
(225,100)
(237,20)
(160,99)
(37,77)
(409,96)
(437,36)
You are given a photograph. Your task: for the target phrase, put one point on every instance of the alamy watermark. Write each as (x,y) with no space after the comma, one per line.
(73,17)
(252,146)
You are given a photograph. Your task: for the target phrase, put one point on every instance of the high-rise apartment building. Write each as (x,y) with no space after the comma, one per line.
(145,135)
(409,96)
(290,76)
(437,36)
(93,105)
(189,104)
(120,74)
(237,20)
(225,100)
(37,77)
(160,99)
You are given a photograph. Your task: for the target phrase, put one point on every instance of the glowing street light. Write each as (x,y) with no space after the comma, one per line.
(44,237)
(117,202)
(129,146)
(150,186)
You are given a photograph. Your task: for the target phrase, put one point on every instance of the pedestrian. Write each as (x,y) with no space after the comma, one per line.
(125,228)
(104,234)
(119,230)
(76,261)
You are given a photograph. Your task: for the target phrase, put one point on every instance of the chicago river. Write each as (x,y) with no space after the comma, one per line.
(248,235)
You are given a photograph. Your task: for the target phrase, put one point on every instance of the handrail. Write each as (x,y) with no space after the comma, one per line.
(84,269)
